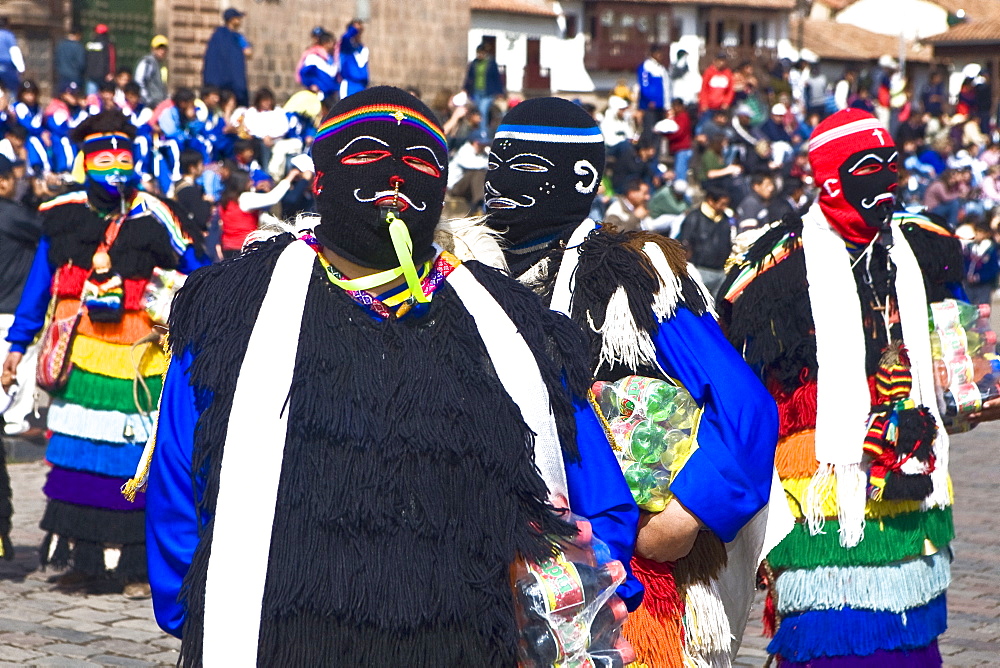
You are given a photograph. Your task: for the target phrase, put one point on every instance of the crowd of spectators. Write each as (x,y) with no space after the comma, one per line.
(221,156)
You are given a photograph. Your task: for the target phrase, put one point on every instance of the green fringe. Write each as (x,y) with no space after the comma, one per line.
(886,541)
(103,393)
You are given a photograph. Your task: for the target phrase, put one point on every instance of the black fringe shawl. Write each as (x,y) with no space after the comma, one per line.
(608,260)
(407,487)
(771,321)
(75,231)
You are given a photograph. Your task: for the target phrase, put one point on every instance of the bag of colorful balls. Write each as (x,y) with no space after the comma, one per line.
(963,348)
(652,426)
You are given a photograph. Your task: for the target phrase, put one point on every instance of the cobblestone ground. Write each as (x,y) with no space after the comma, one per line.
(40,626)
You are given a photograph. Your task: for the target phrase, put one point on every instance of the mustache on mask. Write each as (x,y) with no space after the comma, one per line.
(495,200)
(389,194)
(875,201)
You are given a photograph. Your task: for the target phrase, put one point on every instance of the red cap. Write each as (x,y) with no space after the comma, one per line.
(100,28)
(831,143)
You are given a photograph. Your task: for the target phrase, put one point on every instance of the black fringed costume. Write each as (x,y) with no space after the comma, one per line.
(410,523)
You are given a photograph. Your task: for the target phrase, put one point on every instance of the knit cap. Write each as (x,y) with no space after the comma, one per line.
(379,149)
(849,199)
(546,163)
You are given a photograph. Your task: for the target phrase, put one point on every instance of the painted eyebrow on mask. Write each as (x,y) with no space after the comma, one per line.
(429,149)
(375,139)
(867,157)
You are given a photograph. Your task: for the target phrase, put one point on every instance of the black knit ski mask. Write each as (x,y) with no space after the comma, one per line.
(546,163)
(380,149)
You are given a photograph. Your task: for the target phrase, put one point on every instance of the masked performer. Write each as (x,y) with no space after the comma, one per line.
(98,250)
(348,419)
(832,309)
(645,316)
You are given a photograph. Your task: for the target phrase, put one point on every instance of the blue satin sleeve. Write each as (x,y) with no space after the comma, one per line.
(728,478)
(189,261)
(29,317)
(598,491)
(171,519)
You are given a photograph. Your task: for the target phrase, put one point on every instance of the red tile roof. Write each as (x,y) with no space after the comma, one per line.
(973,31)
(750,4)
(541,8)
(844,42)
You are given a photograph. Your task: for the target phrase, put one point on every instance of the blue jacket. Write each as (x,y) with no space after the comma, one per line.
(597,491)
(320,72)
(494,85)
(353,58)
(225,63)
(652,88)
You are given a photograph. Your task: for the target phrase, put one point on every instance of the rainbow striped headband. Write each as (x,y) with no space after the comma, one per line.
(107,136)
(390,113)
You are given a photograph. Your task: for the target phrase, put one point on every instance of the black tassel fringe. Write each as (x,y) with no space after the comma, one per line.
(407,488)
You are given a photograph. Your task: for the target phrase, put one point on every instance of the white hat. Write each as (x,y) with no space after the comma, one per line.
(615,103)
(666,126)
(887,61)
(972,70)
(779,110)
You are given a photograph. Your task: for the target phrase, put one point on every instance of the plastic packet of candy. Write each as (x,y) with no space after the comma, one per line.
(159,293)
(653,425)
(567,610)
(964,354)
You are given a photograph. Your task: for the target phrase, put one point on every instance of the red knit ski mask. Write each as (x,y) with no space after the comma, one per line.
(854,163)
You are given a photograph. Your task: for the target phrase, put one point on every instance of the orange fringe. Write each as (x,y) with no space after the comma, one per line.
(657,641)
(796,455)
(133,326)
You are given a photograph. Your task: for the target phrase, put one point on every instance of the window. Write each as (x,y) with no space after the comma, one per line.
(572,26)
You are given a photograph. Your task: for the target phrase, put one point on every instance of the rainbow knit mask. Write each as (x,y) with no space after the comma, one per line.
(108,160)
(379,150)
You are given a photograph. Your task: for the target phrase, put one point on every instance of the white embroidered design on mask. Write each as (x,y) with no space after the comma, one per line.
(583,168)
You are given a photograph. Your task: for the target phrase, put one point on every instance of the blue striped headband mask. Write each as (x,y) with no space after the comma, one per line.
(546,163)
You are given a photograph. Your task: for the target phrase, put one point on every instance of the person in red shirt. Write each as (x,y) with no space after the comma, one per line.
(717,88)
(679,142)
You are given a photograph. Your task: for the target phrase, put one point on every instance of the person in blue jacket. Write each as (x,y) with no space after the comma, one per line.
(364,504)
(353,60)
(646,316)
(319,69)
(30,115)
(106,233)
(654,95)
(226,55)
(483,84)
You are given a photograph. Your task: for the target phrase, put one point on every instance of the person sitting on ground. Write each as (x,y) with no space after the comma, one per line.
(756,208)
(467,169)
(707,234)
(628,211)
(241,206)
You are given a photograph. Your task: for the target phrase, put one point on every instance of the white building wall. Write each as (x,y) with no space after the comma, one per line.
(512,32)
(915,19)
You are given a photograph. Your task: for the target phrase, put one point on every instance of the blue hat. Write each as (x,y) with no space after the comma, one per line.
(232,13)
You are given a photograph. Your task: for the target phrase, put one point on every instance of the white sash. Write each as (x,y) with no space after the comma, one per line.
(251,467)
(255,442)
